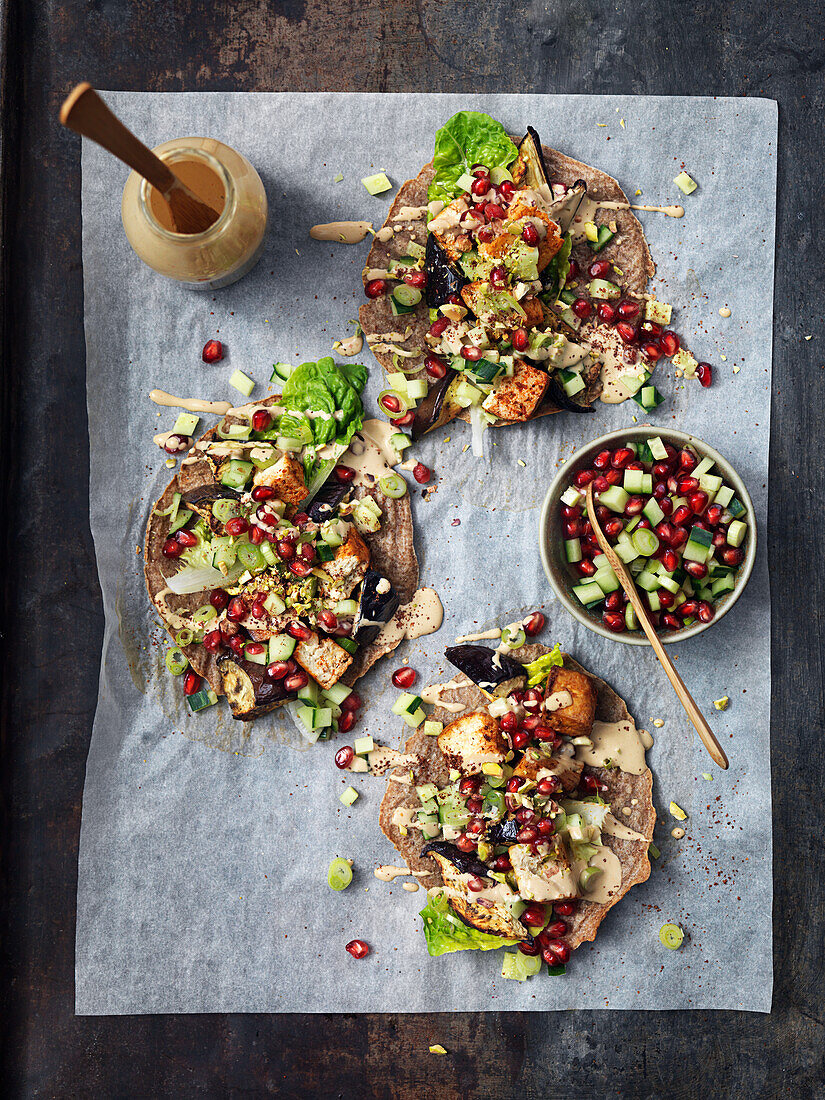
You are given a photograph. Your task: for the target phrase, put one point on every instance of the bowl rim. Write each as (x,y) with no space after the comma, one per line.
(559,484)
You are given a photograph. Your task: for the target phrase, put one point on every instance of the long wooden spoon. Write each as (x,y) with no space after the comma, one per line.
(627,583)
(85,112)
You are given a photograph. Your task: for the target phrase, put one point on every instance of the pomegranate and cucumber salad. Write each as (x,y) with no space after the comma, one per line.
(502,801)
(510,281)
(269,555)
(680,530)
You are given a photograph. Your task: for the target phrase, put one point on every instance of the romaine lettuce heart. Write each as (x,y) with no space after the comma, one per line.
(468,138)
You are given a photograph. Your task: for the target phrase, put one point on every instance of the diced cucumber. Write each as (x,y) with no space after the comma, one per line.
(337,693)
(242,383)
(406,704)
(647,484)
(399,441)
(695,551)
(377,183)
(614,497)
(648,397)
(273,603)
(602,288)
(626,552)
(653,512)
(666,581)
(572,497)
(660,312)
(657,447)
(186,423)
(633,481)
(281,371)
(648,581)
(432,729)
(638,565)
(571,384)
(703,466)
(737,532)
(465,181)
(601,562)
(238,431)
(632,383)
(417,389)
(236,473)
(736,508)
(426,792)
(348,644)
(630,620)
(429,812)
(573,550)
(415,719)
(281,648)
(346,607)
(654,603)
(606,580)
(255,658)
(723,584)
(325,552)
(603,237)
(686,184)
(588,592)
(349,796)
(711,483)
(724,496)
(701,536)
(363,745)
(202,699)
(310,694)
(631,525)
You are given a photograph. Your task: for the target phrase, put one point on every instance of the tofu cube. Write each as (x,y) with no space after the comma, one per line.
(323,659)
(518,397)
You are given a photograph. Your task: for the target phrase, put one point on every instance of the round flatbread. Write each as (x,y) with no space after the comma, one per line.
(623,790)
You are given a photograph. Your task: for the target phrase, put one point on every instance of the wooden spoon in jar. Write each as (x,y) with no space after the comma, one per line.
(85,112)
(627,583)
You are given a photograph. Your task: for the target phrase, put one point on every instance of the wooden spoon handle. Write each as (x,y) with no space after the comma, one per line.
(85,112)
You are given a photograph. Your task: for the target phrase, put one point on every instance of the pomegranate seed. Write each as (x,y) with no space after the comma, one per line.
(587,568)
(475,885)
(344,474)
(698,501)
(652,352)
(671,622)
(651,328)
(582,308)
(514,783)
(297,630)
(606,312)
(172,548)
(613,527)
(404,678)
(602,514)
(435,367)
(212,351)
(533,915)
(236,610)
(733,556)
(191,683)
(614,621)
(262,492)
(688,485)
(532,700)
(613,601)
(481,185)
(418,279)
(328,620)
(485,234)
(679,537)
(237,526)
(278,669)
(465,843)
(556,953)
(404,421)
(307,552)
(669,343)
(521,341)
(218,598)
(666,504)
(498,276)
(660,470)
(285,549)
(470,353)
(600,269)
(352,702)
(390,403)
(572,270)
(670,559)
(470,784)
(634,506)
(704,372)
(532,721)
(626,331)
(583,478)
(508,722)
(530,235)
(547,786)
(344,757)
(507,190)
(213,642)
(705,612)
(714,513)
(602,460)
(645,524)
(346,721)
(375,288)
(521,738)
(258,610)
(534,624)
(254,648)
(666,598)
(621,457)
(687,609)
(177,443)
(454,300)
(438,326)
(627,310)
(696,569)
(564,908)
(358,949)
(299,568)
(422,473)
(186,538)
(529,948)
(572,529)
(681,515)
(296,680)
(475,828)
(261,420)
(556,929)
(527,835)
(600,483)
(493,210)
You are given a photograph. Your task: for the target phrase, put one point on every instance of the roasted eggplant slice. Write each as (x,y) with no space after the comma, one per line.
(438,407)
(496,674)
(444,279)
(505,832)
(249,690)
(531,166)
(466,862)
(202,498)
(327,499)
(486,915)
(555,393)
(378,603)
(564,210)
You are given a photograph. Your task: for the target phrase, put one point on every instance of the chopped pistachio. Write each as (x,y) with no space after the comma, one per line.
(338,177)
(657,722)
(678,812)
(708,776)
(653,850)
(437,1048)
(722,704)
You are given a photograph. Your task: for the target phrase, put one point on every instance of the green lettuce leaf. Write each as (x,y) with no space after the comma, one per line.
(468,138)
(323,387)
(539,669)
(445,931)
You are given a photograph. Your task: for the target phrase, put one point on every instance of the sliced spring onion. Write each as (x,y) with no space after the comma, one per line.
(269,555)
(339,875)
(587,876)
(671,936)
(184,637)
(478,426)
(176,661)
(515,639)
(645,541)
(393,485)
(407,295)
(394,395)
(205,614)
(225,509)
(250,555)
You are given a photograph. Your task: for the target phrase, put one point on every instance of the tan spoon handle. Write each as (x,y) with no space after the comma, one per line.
(685,698)
(85,112)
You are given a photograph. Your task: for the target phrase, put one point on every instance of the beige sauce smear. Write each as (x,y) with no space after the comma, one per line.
(346,232)
(387,873)
(620,743)
(191,404)
(606,885)
(618,829)
(424,614)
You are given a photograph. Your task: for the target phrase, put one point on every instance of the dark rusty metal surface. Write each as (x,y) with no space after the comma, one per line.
(52,620)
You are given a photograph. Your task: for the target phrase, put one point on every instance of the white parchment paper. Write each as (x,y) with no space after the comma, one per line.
(205,842)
